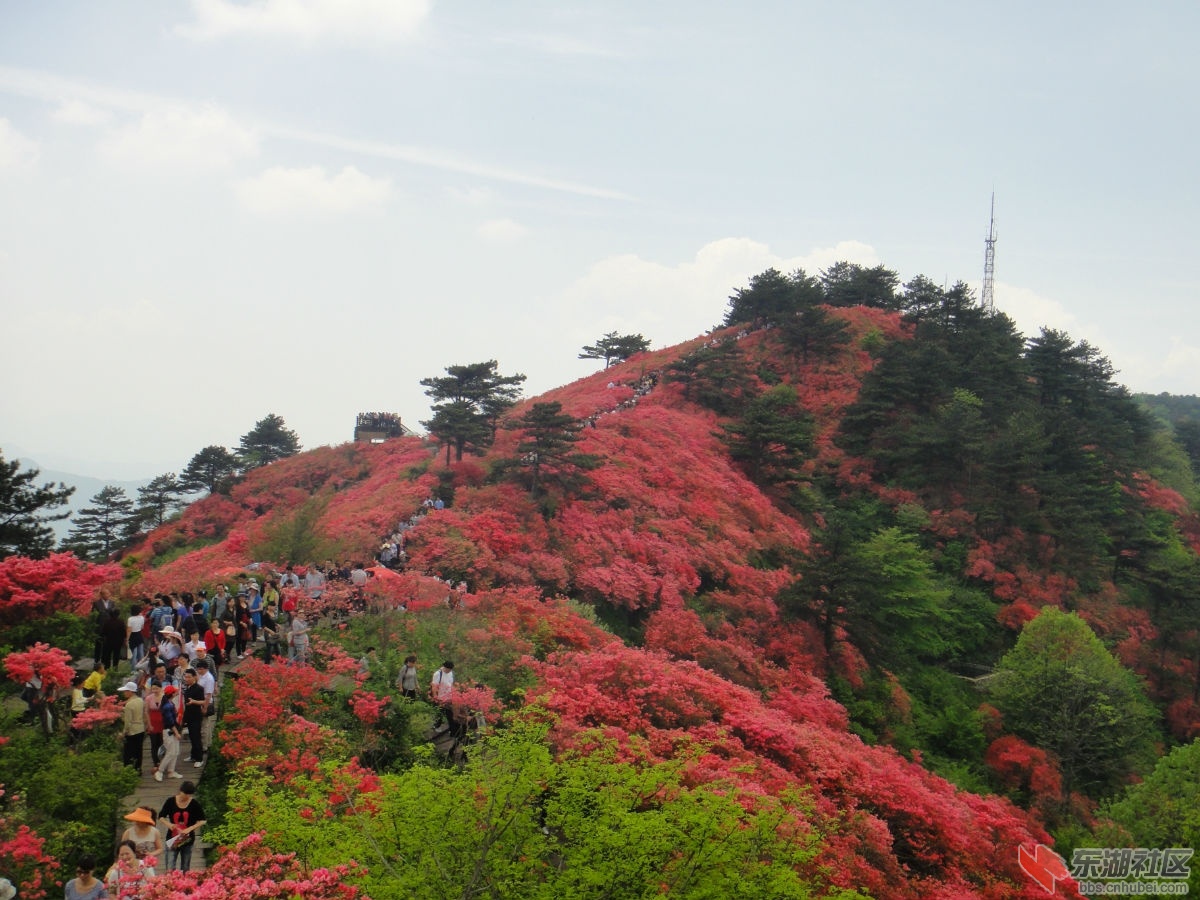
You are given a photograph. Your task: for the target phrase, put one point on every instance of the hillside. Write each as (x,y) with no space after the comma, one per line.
(805,610)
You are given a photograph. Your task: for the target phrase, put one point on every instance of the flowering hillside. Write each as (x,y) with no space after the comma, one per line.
(781,570)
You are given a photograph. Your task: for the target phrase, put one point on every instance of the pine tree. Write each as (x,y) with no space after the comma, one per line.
(546,449)
(269,440)
(208,470)
(614,348)
(468,403)
(23,511)
(99,529)
(158,499)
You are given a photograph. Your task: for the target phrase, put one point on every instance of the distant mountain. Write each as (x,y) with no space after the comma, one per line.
(85,486)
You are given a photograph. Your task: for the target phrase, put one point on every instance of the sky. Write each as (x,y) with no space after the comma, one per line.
(213,210)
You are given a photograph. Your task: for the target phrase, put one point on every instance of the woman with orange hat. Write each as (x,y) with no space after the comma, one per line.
(147,840)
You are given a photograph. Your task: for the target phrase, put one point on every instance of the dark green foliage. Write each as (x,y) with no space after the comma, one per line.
(849,284)
(813,331)
(715,377)
(467,404)
(1061,690)
(158,499)
(99,530)
(613,348)
(771,298)
(70,798)
(210,470)
(64,630)
(269,440)
(545,452)
(772,437)
(25,508)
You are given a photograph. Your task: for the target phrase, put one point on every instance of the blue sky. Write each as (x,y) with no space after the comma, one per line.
(210,211)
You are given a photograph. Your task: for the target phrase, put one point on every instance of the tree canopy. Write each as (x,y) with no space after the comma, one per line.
(1062,690)
(269,440)
(208,470)
(614,348)
(25,509)
(467,404)
(108,523)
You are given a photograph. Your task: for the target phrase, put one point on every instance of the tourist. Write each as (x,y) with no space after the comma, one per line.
(170,735)
(193,716)
(133,634)
(184,816)
(133,726)
(128,875)
(408,680)
(147,840)
(85,885)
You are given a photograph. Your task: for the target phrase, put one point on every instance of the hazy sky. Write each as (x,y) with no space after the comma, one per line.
(211,211)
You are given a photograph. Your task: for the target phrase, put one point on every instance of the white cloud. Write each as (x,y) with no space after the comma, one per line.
(559,45)
(178,136)
(156,140)
(471,196)
(1032,312)
(16,150)
(282,191)
(675,303)
(502,231)
(308,21)
(76,112)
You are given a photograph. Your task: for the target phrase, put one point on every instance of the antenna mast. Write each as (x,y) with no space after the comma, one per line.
(988,298)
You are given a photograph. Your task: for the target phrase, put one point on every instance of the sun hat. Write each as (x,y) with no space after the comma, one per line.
(128,686)
(169,690)
(141,815)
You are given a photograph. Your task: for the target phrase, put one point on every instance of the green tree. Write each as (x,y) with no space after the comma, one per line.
(209,470)
(24,511)
(1161,811)
(514,821)
(813,330)
(99,529)
(269,440)
(715,377)
(546,448)
(772,436)
(1060,689)
(614,348)
(772,298)
(158,499)
(468,403)
(850,284)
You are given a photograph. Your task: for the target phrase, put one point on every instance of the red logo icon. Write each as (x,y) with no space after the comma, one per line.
(1043,865)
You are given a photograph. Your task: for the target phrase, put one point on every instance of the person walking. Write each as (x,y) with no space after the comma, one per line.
(193,716)
(170,735)
(184,817)
(147,840)
(409,681)
(133,726)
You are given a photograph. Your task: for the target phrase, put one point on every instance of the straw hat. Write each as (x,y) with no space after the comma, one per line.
(141,816)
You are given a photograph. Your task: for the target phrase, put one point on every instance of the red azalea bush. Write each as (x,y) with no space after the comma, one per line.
(35,588)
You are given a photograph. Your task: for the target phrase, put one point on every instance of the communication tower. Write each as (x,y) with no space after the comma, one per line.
(988,299)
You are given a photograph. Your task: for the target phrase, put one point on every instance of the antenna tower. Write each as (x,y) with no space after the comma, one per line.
(988,298)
